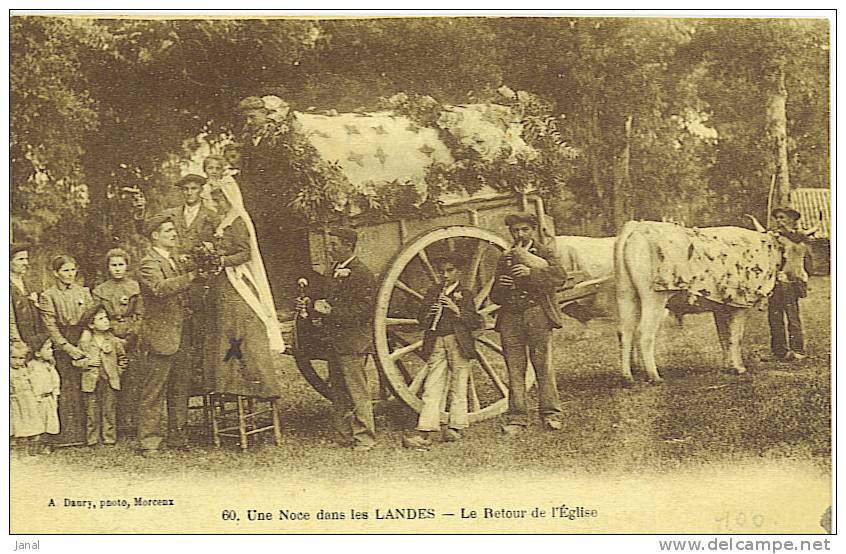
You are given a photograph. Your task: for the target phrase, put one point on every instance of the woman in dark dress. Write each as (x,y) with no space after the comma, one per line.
(25,319)
(243,339)
(62,306)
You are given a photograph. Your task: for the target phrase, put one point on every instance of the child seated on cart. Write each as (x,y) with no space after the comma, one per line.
(448,316)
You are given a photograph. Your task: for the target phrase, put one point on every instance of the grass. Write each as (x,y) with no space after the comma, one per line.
(701,415)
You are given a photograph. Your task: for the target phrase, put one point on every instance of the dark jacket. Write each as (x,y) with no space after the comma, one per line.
(165,303)
(540,285)
(463,324)
(202,229)
(349,328)
(25,317)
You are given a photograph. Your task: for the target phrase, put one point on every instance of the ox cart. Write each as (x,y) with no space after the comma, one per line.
(400,252)
(361,155)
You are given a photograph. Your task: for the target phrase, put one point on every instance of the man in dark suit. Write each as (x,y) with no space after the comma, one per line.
(194,222)
(527,277)
(166,337)
(346,315)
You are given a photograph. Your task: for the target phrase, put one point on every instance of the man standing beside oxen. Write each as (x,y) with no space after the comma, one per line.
(527,277)
(791,285)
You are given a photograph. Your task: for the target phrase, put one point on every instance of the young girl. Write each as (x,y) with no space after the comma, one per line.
(104,362)
(25,423)
(121,297)
(448,317)
(216,171)
(61,307)
(46,386)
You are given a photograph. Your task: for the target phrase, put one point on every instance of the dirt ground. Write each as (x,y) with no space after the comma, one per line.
(778,414)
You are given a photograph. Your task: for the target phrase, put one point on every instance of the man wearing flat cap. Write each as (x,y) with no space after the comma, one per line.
(166,336)
(527,277)
(346,313)
(787,342)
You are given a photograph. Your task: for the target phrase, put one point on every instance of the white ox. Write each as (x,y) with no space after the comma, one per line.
(726,270)
(591,255)
(593,258)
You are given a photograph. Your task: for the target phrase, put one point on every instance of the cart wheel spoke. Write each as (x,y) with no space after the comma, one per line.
(493,375)
(406,289)
(405,374)
(490,344)
(409,275)
(433,275)
(417,383)
(401,321)
(408,349)
(489,309)
(475,405)
(484,293)
(475,263)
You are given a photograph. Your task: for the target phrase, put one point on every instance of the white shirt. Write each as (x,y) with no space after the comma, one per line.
(190,213)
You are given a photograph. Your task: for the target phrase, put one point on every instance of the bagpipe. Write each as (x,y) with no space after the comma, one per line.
(521,254)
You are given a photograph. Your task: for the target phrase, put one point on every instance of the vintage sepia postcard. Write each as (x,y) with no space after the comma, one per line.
(387,274)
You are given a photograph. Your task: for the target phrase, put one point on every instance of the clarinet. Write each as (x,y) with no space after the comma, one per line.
(439,311)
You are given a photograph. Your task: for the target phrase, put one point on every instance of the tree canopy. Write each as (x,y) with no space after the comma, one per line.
(683,118)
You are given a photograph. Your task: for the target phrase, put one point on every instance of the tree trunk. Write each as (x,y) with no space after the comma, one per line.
(595,135)
(622,180)
(777,131)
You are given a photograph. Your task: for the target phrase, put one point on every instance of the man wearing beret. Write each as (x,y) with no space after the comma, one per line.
(346,313)
(166,337)
(525,288)
(788,344)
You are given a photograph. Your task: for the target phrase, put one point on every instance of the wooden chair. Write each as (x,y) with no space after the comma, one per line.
(241,417)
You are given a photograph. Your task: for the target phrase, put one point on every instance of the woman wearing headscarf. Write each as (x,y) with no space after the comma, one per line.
(243,339)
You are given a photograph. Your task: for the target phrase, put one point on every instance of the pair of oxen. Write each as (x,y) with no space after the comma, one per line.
(661,267)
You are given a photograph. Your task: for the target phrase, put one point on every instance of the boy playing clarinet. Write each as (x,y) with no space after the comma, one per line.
(448,316)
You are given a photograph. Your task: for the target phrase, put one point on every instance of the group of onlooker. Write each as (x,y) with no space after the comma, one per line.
(127,354)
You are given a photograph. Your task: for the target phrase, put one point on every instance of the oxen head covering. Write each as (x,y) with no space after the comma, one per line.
(789,212)
(521,217)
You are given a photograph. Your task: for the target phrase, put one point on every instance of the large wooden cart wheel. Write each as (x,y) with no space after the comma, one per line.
(397,334)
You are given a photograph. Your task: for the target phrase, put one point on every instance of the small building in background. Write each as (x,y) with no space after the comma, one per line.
(815,207)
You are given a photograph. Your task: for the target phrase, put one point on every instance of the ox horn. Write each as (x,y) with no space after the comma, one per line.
(756,223)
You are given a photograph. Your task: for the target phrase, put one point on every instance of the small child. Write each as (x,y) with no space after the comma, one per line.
(448,317)
(232,156)
(121,297)
(104,362)
(46,385)
(34,390)
(26,427)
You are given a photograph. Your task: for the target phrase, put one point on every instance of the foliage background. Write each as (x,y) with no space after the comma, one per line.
(670,117)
